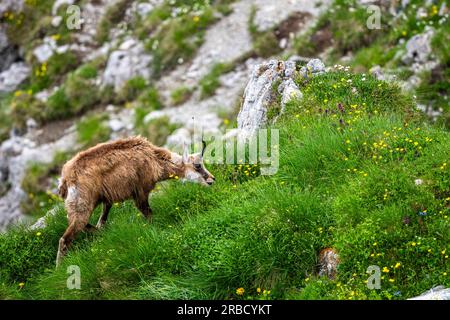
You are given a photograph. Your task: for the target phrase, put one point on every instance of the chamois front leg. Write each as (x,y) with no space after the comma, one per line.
(102,220)
(143,206)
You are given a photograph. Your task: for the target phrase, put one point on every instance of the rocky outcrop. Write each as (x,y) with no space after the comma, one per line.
(436,293)
(259,93)
(128,62)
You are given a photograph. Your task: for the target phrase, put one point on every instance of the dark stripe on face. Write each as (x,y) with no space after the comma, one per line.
(202,171)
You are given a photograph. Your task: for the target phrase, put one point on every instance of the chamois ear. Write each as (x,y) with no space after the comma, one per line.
(185,153)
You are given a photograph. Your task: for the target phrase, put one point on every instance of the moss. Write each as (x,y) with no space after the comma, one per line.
(38,181)
(92,130)
(157,130)
(178,39)
(53,71)
(210,82)
(131,90)
(265,43)
(180,95)
(113,15)
(23,106)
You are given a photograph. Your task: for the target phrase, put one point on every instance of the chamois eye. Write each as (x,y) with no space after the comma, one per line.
(197,166)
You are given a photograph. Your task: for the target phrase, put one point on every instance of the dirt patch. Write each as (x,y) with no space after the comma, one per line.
(292,25)
(52,131)
(322,39)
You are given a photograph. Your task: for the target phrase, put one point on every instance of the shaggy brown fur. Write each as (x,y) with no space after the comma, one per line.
(116,171)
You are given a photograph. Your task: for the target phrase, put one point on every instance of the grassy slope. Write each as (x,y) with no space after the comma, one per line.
(348,184)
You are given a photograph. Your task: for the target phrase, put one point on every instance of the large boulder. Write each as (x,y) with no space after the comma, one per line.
(128,62)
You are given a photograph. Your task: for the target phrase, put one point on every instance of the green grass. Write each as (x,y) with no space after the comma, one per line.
(346,180)
(92,129)
(177,39)
(180,95)
(210,82)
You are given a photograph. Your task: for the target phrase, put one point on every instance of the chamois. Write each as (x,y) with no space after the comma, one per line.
(117,171)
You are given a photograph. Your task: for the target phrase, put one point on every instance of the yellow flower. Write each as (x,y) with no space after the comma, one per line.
(21,284)
(307,279)
(413,244)
(385,270)
(258,290)
(397,265)
(38,234)
(444,274)
(196,18)
(226,121)
(391,280)
(240,291)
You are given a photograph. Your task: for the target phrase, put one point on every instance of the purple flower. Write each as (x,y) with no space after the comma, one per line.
(341,107)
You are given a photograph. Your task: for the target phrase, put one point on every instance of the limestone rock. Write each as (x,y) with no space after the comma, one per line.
(16,74)
(129,61)
(436,293)
(259,93)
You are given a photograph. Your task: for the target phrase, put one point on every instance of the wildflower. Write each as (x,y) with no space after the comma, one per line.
(413,244)
(385,270)
(258,290)
(196,18)
(38,234)
(391,280)
(397,265)
(422,213)
(307,279)
(444,274)
(226,121)
(21,284)
(240,291)
(443,252)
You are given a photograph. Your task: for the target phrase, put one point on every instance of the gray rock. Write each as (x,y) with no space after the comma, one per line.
(129,61)
(312,68)
(16,74)
(436,293)
(11,5)
(116,125)
(8,54)
(46,50)
(31,125)
(418,48)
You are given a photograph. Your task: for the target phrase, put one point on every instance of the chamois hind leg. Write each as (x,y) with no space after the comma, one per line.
(76,225)
(102,220)
(143,206)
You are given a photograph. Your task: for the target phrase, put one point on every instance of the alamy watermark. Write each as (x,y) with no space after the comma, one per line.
(237,147)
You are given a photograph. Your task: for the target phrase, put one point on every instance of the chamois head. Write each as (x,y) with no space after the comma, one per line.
(194,169)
